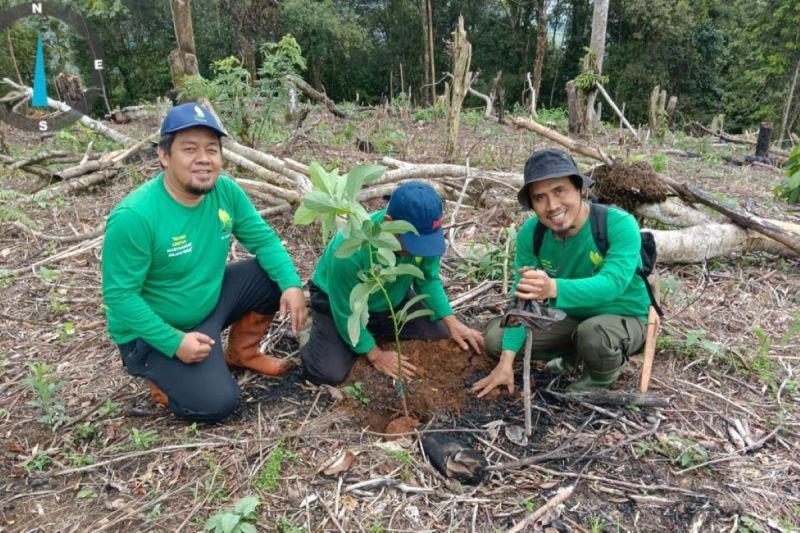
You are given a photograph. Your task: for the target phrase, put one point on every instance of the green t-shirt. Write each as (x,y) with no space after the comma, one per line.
(588,284)
(163,262)
(337,277)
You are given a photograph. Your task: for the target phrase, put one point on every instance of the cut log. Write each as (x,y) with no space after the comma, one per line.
(563,140)
(317,96)
(614,398)
(674,214)
(691,194)
(701,243)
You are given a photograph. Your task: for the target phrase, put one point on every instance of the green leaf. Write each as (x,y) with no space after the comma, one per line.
(247,505)
(359,175)
(386,240)
(320,203)
(229,521)
(412,302)
(304,215)
(320,178)
(247,528)
(416,314)
(359,295)
(348,247)
(404,270)
(354,328)
(86,493)
(386,257)
(398,226)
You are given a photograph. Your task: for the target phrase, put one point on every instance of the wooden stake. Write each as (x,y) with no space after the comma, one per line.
(653,323)
(526,380)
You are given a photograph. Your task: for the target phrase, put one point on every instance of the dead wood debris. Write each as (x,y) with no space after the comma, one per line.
(723,452)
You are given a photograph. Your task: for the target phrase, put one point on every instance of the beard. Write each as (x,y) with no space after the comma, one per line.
(200,191)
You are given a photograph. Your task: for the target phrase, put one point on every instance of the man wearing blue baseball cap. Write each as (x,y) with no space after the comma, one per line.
(328,355)
(167,287)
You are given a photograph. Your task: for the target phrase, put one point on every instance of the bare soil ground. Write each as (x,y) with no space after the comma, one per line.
(724,456)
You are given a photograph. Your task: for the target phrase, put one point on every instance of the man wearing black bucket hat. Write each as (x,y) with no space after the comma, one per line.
(328,354)
(166,285)
(605,300)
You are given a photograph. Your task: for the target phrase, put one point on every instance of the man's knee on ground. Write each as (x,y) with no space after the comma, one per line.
(493,338)
(323,374)
(211,405)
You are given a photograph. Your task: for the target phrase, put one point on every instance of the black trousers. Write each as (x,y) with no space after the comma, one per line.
(206,391)
(327,358)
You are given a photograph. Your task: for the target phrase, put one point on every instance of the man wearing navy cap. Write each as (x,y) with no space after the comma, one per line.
(328,355)
(167,288)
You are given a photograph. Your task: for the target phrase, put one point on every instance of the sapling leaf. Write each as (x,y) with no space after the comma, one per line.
(320,202)
(386,240)
(416,314)
(398,226)
(319,178)
(348,247)
(304,215)
(404,269)
(386,257)
(359,175)
(413,301)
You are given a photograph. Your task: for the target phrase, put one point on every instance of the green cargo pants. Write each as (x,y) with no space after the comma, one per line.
(603,342)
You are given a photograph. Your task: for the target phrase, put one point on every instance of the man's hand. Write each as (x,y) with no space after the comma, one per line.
(503,374)
(194,347)
(386,362)
(465,336)
(535,285)
(294,303)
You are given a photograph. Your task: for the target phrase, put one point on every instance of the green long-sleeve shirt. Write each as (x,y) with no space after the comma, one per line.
(588,284)
(163,262)
(337,276)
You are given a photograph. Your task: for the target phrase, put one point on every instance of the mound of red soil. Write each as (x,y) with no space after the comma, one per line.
(446,374)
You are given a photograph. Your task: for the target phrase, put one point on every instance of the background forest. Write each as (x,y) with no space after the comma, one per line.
(735,57)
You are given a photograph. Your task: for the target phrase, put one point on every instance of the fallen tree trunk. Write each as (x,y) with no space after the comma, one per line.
(314,94)
(674,214)
(563,140)
(701,243)
(690,193)
(735,140)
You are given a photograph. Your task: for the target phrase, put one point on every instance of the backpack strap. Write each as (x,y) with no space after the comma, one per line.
(598,217)
(538,237)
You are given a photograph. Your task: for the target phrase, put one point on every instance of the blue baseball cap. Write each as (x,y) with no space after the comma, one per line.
(190,115)
(419,204)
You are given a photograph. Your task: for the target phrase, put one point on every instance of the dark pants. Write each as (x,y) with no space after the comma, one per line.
(206,391)
(603,342)
(327,358)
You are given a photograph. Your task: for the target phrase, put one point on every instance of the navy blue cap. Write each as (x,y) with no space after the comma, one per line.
(190,115)
(548,164)
(419,204)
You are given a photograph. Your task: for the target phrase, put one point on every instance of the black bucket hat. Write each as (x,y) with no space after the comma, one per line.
(548,164)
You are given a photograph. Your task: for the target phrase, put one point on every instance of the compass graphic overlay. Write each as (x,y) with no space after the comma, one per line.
(67,114)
